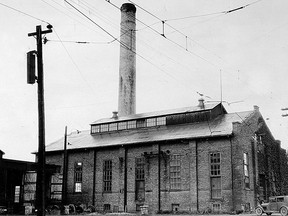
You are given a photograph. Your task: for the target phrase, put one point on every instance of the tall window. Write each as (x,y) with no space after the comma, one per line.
(175,172)
(78,171)
(17,194)
(215,175)
(140,179)
(107,176)
(246,170)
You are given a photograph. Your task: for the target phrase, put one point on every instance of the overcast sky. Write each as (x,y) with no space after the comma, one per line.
(248,46)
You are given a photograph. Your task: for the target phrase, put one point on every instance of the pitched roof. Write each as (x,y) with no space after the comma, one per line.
(220,126)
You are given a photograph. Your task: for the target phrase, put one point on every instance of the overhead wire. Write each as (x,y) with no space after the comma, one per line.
(176,30)
(66,14)
(175,43)
(147,26)
(164,22)
(121,43)
(149,61)
(36,18)
(24,13)
(87,42)
(210,14)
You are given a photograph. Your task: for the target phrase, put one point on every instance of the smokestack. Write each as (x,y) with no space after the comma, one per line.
(127,70)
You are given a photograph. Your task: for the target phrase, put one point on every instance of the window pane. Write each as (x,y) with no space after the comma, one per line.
(104,127)
(107,176)
(141,123)
(78,187)
(78,176)
(175,172)
(112,126)
(17,194)
(131,124)
(161,121)
(95,129)
(215,164)
(151,122)
(122,125)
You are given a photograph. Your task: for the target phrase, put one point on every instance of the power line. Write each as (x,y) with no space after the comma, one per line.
(210,14)
(163,35)
(86,42)
(164,22)
(116,39)
(92,20)
(26,14)
(194,16)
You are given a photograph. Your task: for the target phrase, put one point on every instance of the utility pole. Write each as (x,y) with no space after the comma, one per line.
(40,182)
(65,170)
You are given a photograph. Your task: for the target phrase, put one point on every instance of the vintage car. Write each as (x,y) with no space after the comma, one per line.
(276,204)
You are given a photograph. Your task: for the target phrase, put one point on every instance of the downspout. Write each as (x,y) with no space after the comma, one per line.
(197,193)
(159,179)
(232,173)
(94,179)
(125,179)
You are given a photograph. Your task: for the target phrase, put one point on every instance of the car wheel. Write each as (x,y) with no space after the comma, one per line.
(258,211)
(283,211)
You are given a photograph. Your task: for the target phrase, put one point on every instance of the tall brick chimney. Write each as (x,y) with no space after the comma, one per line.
(127,69)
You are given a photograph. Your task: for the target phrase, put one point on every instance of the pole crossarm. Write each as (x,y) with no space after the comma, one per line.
(42,32)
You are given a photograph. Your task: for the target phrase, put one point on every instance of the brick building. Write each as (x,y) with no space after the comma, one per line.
(189,159)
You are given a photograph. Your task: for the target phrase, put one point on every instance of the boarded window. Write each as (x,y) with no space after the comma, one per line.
(30,186)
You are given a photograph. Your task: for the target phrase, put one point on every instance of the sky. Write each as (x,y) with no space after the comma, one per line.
(226,50)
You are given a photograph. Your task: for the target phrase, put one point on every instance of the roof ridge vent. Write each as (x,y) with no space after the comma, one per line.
(201,103)
(115,115)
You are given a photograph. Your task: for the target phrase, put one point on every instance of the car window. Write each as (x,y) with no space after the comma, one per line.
(272,200)
(280,199)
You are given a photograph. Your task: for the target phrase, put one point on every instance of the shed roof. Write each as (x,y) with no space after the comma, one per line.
(220,126)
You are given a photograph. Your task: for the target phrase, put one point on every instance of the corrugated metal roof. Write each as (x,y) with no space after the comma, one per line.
(220,126)
(157,113)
